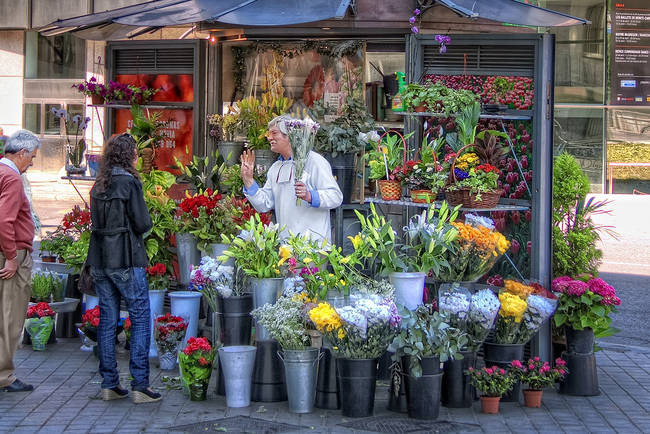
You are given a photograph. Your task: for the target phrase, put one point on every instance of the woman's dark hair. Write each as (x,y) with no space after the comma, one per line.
(120,151)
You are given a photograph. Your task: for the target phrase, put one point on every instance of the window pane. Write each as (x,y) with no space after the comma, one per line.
(60,56)
(580,52)
(628,143)
(580,133)
(52,123)
(32,118)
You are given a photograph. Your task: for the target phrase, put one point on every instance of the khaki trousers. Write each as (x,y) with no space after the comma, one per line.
(14,297)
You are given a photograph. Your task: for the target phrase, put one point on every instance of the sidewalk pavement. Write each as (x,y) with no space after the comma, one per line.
(67,399)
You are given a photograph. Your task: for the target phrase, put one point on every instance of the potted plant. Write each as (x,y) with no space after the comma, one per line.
(438,98)
(385,162)
(424,341)
(492,383)
(340,140)
(538,375)
(414,97)
(41,286)
(39,323)
(427,238)
(284,322)
(147,133)
(162,208)
(93,89)
(195,363)
(169,332)
(159,281)
(359,333)
(225,129)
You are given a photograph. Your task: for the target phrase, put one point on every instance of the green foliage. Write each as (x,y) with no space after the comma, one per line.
(413,95)
(342,135)
(203,172)
(425,333)
(257,253)
(585,311)
(75,254)
(392,147)
(146,128)
(575,235)
(157,177)
(192,370)
(161,209)
(440,98)
(56,243)
(76,152)
(466,122)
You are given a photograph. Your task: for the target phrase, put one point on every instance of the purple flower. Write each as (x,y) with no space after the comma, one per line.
(412,20)
(443,48)
(415,29)
(416,12)
(460,174)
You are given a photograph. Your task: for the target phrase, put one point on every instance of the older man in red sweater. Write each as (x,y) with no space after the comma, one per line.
(16,236)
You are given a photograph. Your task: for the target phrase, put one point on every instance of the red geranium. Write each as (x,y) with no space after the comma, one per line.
(127,324)
(487,168)
(40,310)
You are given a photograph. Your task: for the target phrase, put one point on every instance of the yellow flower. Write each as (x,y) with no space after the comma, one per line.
(342,282)
(345,260)
(384,150)
(325,318)
(341,333)
(356,241)
(277,271)
(512,306)
(285,253)
(307,260)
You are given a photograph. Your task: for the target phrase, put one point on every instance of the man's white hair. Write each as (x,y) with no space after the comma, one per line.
(22,139)
(280,122)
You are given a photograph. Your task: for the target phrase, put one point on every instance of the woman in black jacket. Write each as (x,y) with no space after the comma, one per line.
(117,258)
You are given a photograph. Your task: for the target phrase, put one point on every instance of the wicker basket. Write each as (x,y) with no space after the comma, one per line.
(463,196)
(423,196)
(390,190)
(468,200)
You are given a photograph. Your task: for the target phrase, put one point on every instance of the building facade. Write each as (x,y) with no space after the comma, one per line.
(37,73)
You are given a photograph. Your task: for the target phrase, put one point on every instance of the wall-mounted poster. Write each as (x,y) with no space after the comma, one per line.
(180,122)
(630,58)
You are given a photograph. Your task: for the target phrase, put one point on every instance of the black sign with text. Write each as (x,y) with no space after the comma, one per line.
(630,61)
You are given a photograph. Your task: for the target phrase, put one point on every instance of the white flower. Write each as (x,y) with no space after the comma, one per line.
(484,308)
(477,220)
(455,303)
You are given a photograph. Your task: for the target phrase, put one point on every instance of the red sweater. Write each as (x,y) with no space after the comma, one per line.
(16,225)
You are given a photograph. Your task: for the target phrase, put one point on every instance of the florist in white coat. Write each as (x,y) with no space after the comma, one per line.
(318,189)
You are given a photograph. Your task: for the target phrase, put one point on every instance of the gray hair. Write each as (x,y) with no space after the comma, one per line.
(280,122)
(22,139)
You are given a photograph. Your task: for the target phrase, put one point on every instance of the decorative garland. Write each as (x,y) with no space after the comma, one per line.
(324,48)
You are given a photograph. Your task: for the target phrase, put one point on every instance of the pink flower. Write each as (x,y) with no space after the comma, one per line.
(516,217)
(560,362)
(515,246)
(528,216)
(502,371)
(529,247)
(516,364)
(536,358)
(576,288)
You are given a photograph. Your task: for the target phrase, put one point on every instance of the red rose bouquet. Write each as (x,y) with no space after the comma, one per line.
(39,324)
(169,331)
(196,366)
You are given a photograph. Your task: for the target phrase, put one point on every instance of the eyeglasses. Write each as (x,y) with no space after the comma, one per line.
(277,178)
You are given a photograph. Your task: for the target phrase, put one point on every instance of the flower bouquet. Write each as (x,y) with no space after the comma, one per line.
(511,313)
(38,324)
(538,310)
(195,363)
(585,305)
(284,321)
(169,332)
(493,383)
(301,134)
(476,250)
(89,324)
(454,303)
(538,375)
(483,311)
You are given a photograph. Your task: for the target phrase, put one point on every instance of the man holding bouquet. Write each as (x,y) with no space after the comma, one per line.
(316,188)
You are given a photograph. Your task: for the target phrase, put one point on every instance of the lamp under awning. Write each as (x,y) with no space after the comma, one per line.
(512,12)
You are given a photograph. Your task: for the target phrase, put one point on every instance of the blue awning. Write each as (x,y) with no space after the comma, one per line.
(512,12)
(161,13)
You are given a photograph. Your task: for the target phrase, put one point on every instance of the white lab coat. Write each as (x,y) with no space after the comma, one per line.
(279,194)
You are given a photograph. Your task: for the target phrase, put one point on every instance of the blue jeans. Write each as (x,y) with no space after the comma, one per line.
(130,284)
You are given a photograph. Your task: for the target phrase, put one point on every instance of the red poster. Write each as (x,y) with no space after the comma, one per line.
(180,127)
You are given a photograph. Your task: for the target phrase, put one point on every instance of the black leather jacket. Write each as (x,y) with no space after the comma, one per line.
(119,219)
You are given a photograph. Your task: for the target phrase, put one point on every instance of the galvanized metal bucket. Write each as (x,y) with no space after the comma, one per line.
(265,291)
(237,364)
(301,373)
